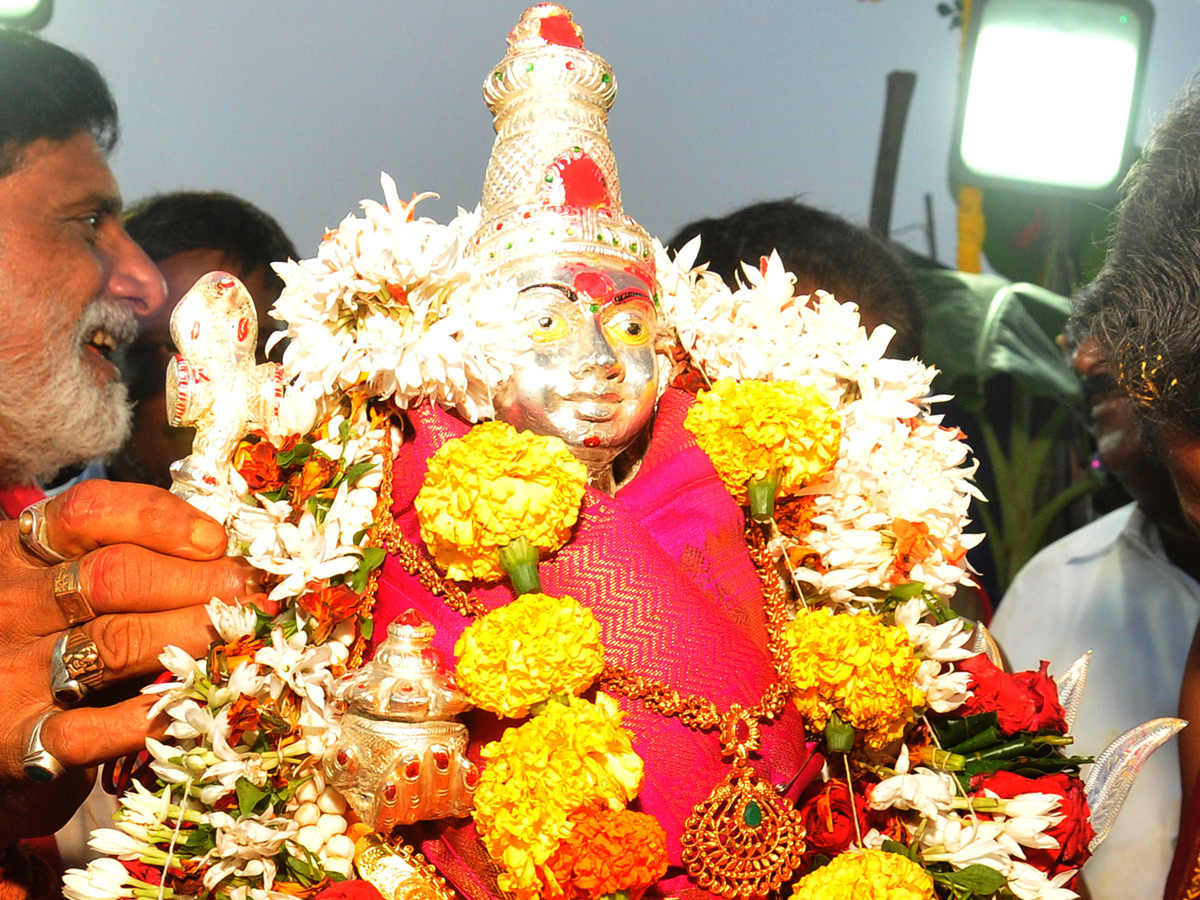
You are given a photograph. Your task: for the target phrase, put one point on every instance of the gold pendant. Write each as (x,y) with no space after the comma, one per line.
(743,840)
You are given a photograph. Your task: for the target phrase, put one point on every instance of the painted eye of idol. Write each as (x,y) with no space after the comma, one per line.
(591,377)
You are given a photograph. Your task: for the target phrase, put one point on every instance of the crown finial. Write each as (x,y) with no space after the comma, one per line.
(552,185)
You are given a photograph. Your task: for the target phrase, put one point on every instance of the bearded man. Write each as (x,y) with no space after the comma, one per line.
(94,582)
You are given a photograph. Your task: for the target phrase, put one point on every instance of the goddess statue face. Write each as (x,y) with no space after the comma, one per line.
(591,377)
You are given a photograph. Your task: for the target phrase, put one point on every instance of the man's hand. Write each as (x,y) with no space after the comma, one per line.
(148,563)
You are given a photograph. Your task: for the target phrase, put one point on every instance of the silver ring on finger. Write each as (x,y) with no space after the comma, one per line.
(75,667)
(40,764)
(68,594)
(31,528)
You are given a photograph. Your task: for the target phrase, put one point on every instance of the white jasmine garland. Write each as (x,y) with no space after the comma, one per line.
(390,309)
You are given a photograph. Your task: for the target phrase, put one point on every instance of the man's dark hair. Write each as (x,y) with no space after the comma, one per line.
(1144,307)
(166,224)
(49,92)
(825,252)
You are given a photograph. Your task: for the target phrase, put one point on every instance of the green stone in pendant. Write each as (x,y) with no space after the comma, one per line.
(752,814)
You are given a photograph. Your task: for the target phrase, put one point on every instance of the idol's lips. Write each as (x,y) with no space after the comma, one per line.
(595,407)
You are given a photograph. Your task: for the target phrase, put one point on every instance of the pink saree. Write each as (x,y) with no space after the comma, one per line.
(664,567)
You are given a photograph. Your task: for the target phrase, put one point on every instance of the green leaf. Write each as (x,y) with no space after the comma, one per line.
(356,471)
(977,326)
(201,838)
(906,591)
(366,627)
(295,456)
(900,850)
(374,557)
(250,797)
(303,871)
(976,879)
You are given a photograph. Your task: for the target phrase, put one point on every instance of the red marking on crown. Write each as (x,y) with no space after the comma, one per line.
(584,185)
(559,29)
(195,330)
(243,328)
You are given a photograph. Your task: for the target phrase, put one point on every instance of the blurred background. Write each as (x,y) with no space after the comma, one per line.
(298,105)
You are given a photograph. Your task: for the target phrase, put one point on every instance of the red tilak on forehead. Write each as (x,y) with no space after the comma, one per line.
(597,285)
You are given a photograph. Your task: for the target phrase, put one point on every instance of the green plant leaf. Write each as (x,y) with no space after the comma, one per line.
(249,797)
(976,879)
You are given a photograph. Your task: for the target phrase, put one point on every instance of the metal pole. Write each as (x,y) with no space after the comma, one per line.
(895,112)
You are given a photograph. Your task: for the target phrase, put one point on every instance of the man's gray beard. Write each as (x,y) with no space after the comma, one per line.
(53,414)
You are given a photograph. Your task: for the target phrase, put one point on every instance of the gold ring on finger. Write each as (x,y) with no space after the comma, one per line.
(31,528)
(68,594)
(75,667)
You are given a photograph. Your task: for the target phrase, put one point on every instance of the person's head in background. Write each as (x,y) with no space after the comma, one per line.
(72,283)
(1144,306)
(189,234)
(824,252)
(1130,449)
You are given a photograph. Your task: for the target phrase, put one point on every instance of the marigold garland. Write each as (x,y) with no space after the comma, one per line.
(857,666)
(488,488)
(571,755)
(866,875)
(607,851)
(525,651)
(750,428)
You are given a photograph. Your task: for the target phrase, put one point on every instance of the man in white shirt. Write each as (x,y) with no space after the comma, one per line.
(1125,587)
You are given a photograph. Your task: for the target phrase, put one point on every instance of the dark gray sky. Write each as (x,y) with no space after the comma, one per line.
(298,105)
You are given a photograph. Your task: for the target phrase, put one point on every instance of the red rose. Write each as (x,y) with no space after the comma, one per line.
(829,818)
(1073,833)
(350,890)
(1023,701)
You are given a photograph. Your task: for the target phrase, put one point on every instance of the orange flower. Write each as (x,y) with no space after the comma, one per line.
(793,516)
(227,657)
(243,717)
(912,546)
(607,851)
(256,463)
(318,471)
(329,606)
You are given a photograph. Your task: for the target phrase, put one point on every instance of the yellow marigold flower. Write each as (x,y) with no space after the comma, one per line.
(492,486)
(750,428)
(523,652)
(570,756)
(866,875)
(857,666)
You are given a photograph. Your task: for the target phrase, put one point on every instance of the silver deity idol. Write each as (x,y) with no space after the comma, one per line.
(214,385)
(401,756)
